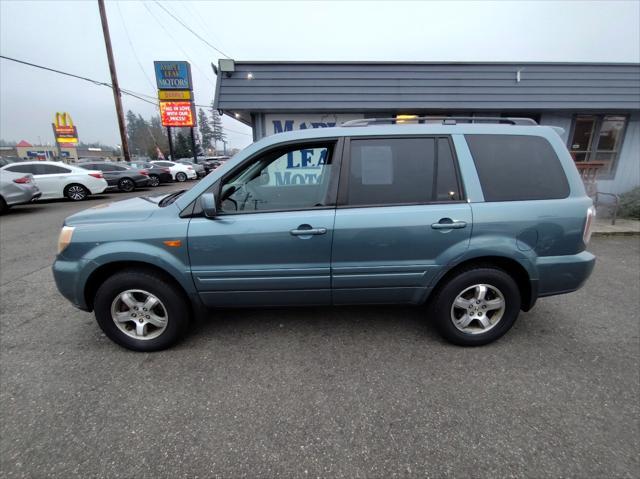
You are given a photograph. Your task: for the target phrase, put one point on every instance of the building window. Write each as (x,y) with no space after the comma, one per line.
(598,139)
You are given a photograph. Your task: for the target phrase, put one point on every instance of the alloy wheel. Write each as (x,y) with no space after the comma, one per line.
(77,192)
(478,309)
(139,314)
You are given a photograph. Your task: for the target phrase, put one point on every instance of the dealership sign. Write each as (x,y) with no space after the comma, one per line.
(173,75)
(301,167)
(64,131)
(177,113)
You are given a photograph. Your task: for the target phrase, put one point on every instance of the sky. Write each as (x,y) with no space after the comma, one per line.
(67,35)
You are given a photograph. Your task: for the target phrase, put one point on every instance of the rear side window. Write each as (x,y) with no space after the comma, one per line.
(21,169)
(51,170)
(390,171)
(517,168)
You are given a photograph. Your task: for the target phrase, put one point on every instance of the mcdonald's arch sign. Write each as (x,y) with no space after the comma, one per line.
(65,132)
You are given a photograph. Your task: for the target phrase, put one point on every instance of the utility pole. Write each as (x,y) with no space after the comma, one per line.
(114,81)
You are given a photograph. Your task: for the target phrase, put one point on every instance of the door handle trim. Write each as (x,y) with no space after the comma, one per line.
(310,231)
(454,225)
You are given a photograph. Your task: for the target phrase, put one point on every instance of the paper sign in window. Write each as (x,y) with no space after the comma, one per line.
(377,165)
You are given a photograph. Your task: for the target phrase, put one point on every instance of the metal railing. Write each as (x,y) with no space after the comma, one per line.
(445,120)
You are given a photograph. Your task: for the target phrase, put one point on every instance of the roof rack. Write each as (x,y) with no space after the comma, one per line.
(446,120)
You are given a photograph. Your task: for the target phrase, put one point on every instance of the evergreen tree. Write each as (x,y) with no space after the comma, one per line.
(217,128)
(206,133)
(182,149)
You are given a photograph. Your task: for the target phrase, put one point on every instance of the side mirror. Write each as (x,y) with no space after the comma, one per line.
(208,205)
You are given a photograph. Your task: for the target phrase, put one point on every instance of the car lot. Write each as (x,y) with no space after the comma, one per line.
(329,392)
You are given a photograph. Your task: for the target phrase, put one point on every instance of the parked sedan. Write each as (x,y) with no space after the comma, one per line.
(120,177)
(200,169)
(60,180)
(16,189)
(179,172)
(157,174)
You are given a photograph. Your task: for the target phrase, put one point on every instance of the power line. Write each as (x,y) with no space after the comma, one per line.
(90,80)
(124,91)
(135,54)
(188,28)
(177,43)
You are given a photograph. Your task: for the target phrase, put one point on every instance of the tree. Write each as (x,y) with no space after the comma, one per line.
(206,133)
(216,126)
(182,148)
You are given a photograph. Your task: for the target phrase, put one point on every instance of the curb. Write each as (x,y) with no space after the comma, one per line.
(615,233)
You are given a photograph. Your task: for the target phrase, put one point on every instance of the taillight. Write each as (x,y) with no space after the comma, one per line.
(588,224)
(24,179)
(97,175)
(189,167)
(143,172)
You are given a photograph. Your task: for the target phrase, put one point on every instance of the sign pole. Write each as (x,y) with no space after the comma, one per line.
(170,143)
(193,147)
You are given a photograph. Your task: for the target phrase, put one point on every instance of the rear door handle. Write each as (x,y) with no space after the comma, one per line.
(448,224)
(306,230)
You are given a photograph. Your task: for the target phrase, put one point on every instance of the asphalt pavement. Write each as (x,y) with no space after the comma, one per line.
(316,392)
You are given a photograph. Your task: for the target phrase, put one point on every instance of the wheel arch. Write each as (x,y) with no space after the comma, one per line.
(100,274)
(526,285)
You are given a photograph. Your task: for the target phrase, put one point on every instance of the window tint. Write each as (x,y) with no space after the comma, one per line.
(22,169)
(447,186)
(285,179)
(391,171)
(402,170)
(516,167)
(117,168)
(163,163)
(50,170)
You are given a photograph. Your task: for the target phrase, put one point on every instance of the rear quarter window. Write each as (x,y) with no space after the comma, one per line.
(517,168)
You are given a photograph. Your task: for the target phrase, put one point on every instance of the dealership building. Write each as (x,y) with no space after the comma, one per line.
(597,104)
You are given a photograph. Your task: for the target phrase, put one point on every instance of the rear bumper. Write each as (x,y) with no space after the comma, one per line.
(563,274)
(141,182)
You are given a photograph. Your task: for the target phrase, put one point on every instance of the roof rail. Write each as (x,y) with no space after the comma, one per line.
(446,120)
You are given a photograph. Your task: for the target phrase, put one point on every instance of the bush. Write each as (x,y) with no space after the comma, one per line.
(630,204)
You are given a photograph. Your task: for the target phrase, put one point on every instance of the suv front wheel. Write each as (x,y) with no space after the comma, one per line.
(140,310)
(477,306)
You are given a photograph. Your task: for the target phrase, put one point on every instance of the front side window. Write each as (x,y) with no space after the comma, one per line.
(517,168)
(285,179)
(390,171)
(598,139)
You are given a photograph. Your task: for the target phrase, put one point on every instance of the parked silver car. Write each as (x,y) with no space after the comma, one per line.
(16,189)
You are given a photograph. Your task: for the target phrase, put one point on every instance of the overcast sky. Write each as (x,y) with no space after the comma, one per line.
(67,35)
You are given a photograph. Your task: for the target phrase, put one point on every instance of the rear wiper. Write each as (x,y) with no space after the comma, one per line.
(167,200)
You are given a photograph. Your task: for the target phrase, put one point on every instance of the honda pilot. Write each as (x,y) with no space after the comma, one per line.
(472,221)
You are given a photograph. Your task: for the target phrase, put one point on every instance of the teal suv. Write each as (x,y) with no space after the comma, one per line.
(475,221)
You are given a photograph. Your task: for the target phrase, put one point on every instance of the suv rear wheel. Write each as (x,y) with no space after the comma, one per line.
(477,306)
(140,310)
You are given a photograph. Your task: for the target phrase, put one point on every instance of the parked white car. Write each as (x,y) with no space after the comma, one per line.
(59,180)
(178,171)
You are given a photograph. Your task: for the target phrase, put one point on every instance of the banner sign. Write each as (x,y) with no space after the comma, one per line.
(177,113)
(175,95)
(173,75)
(64,131)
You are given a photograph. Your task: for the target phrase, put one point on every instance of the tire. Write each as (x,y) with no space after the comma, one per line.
(127,185)
(4,207)
(169,317)
(476,318)
(76,192)
(154,180)
(181,177)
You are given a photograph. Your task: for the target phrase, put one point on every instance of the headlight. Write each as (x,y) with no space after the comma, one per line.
(65,238)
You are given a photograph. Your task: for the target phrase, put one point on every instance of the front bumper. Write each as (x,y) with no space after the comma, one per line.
(563,274)
(70,280)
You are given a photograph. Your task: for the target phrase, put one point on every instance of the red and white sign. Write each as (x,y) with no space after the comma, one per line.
(177,113)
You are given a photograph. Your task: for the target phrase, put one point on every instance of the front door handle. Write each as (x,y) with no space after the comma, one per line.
(307,230)
(448,224)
